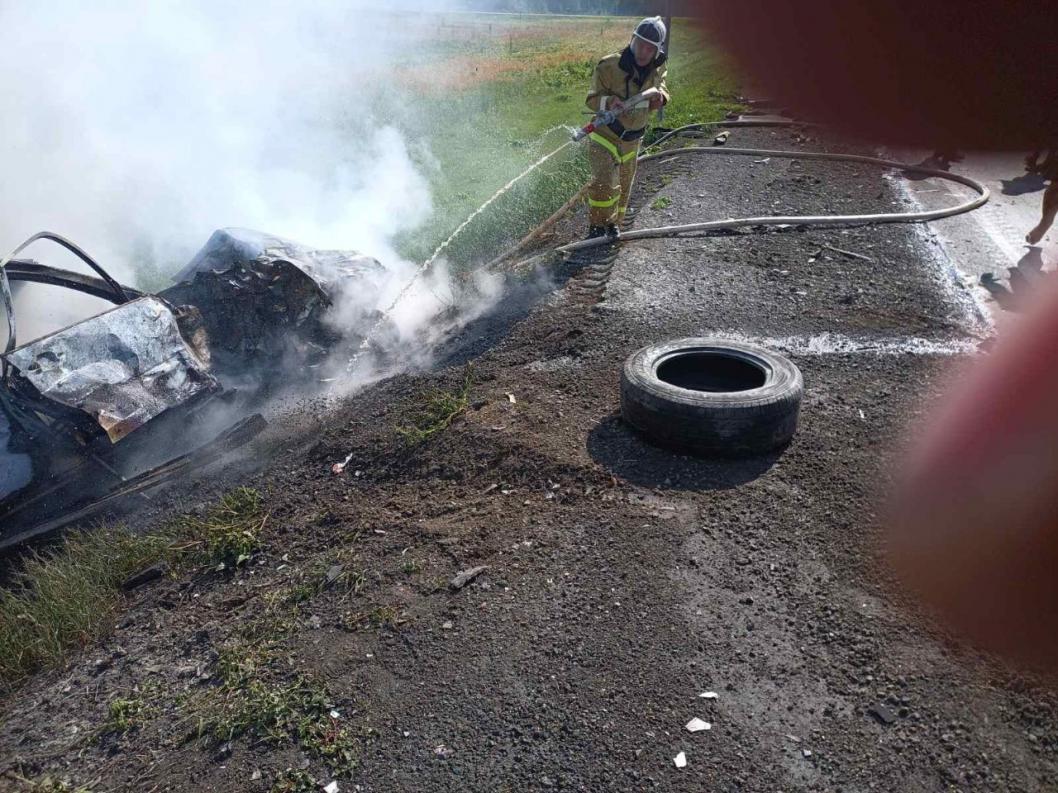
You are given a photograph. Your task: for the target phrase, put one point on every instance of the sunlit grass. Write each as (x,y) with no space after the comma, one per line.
(495,108)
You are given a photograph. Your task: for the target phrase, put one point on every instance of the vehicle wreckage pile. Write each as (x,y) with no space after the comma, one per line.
(81,408)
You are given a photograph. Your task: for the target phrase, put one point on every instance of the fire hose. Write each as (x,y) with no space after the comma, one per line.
(606,117)
(789,220)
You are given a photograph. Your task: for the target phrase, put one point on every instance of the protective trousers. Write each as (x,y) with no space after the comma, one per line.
(613,169)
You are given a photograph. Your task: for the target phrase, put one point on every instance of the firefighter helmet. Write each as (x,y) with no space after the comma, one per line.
(652,31)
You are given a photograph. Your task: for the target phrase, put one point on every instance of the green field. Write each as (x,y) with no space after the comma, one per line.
(500,92)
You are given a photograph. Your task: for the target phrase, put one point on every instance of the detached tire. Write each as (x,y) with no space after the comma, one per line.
(711,397)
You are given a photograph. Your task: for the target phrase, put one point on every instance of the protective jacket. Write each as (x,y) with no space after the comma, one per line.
(619,76)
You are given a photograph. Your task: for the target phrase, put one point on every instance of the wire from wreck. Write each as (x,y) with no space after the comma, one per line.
(5,285)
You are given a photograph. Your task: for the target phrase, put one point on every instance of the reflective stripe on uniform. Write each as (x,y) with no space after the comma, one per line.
(595,136)
(621,158)
(608,203)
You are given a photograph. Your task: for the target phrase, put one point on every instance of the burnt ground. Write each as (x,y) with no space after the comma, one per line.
(622,581)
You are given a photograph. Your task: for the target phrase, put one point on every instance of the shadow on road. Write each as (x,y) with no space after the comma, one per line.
(1023,282)
(624,453)
(1025,183)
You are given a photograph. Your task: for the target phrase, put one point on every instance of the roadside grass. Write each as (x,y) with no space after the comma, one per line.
(661,202)
(68,597)
(435,410)
(523,100)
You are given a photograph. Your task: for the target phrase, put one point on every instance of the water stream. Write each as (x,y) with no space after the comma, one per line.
(451,237)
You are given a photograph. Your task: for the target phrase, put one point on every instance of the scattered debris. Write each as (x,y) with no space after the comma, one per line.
(511,399)
(721,139)
(443,751)
(680,760)
(852,254)
(806,752)
(464,577)
(337,468)
(697,725)
(447,625)
(331,787)
(708,695)
(145,576)
(334,572)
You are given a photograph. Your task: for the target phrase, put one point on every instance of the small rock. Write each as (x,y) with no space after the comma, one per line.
(223,753)
(882,714)
(680,760)
(332,787)
(447,625)
(255,775)
(464,577)
(708,695)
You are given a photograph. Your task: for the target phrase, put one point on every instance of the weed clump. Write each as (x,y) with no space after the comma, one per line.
(123,715)
(230,531)
(436,410)
(251,700)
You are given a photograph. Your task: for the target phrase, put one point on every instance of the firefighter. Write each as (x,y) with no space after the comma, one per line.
(612,149)
(1048,170)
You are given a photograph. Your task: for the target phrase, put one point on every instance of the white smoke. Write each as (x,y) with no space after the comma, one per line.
(137,129)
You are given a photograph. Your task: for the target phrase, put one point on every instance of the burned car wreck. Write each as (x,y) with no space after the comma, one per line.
(118,403)
(265,300)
